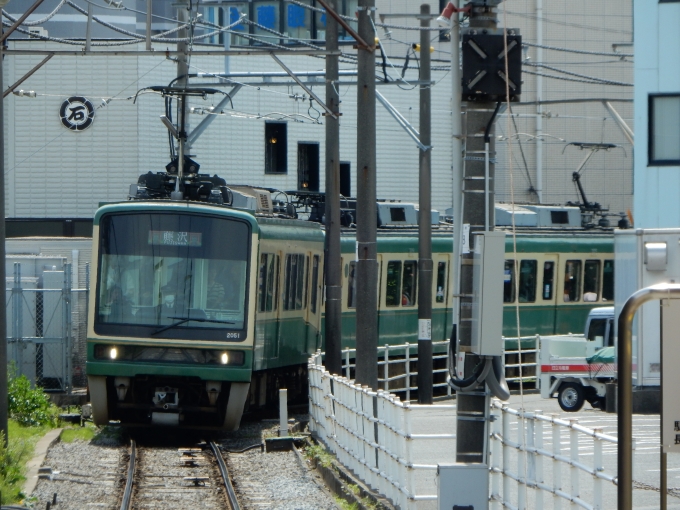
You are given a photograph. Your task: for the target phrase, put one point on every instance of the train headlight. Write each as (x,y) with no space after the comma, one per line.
(113,352)
(224,358)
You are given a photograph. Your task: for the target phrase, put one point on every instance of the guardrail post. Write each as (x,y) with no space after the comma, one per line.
(448,368)
(557,466)
(521,462)
(506,455)
(538,443)
(283,412)
(407,360)
(573,435)
(531,452)
(387,367)
(496,432)
(597,465)
(347,367)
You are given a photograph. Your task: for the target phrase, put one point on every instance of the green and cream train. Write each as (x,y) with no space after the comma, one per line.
(203,307)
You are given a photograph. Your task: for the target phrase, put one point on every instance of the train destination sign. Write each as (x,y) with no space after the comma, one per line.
(171,238)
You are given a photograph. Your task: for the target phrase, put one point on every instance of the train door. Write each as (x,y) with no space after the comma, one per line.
(441,318)
(547,309)
(267,334)
(292,314)
(313,309)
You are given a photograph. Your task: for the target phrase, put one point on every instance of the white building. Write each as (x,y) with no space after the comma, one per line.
(54,172)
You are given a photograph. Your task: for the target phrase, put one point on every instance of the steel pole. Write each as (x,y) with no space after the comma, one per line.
(624,354)
(425,218)
(333,262)
(3,308)
(367,263)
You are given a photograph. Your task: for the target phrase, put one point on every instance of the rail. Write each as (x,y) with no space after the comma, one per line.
(393,380)
(127,493)
(510,487)
(226,479)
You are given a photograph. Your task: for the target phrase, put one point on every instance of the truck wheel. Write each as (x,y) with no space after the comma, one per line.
(570,397)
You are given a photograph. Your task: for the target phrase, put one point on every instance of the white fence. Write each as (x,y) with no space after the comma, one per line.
(390,445)
(394,448)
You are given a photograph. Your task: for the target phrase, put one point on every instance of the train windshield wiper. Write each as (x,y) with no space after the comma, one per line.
(182,320)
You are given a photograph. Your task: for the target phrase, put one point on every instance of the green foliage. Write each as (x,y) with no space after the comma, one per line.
(85,433)
(12,459)
(319,454)
(30,407)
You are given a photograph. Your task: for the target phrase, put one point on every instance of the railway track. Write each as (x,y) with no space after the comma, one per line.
(166,477)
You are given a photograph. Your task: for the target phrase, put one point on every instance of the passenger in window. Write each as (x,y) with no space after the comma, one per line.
(216,293)
(590,297)
(568,287)
(405,299)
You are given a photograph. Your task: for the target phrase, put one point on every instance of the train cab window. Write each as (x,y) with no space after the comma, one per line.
(608,281)
(409,283)
(591,281)
(597,328)
(440,296)
(393,282)
(548,279)
(508,282)
(352,286)
(572,281)
(294,286)
(315,283)
(267,282)
(527,281)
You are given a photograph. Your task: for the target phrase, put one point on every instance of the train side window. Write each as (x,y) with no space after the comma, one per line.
(294,284)
(527,281)
(301,286)
(410,283)
(508,282)
(267,282)
(315,283)
(440,296)
(393,284)
(608,281)
(352,285)
(591,281)
(548,279)
(262,284)
(572,280)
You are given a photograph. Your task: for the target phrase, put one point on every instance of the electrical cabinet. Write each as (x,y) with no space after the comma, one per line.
(462,486)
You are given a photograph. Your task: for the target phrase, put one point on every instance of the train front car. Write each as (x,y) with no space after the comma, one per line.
(170,339)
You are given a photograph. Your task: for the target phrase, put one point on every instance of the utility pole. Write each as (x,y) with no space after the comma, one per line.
(425,218)
(477,210)
(367,263)
(183,16)
(333,262)
(3,308)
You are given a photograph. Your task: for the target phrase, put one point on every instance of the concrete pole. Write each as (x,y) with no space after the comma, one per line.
(182,73)
(367,263)
(333,263)
(425,218)
(478,207)
(3,308)
(149,6)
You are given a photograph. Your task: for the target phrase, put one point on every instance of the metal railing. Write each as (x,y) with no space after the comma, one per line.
(380,438)
(517,466)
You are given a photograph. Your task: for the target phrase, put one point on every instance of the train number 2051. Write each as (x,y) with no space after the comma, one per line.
(234,335)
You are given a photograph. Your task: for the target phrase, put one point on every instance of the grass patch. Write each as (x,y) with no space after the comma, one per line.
(86,433)
(344,504)
(319,454)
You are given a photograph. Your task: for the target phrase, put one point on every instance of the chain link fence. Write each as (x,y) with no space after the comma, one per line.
(47,328)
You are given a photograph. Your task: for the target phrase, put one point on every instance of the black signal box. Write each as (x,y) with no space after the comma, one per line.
(484,70)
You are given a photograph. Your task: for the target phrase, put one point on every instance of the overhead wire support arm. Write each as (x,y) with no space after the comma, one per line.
(27,75)
(304,87)
(20,20)
(362,44)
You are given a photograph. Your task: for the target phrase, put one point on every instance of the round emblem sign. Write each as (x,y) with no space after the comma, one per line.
(77,113)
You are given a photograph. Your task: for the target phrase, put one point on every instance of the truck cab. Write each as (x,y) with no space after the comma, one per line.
(568,367)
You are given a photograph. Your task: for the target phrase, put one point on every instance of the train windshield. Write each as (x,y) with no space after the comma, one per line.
(172,275)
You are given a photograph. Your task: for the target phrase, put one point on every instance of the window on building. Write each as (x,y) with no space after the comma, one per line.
(591,281)
(275,148)
(527,281)
(393,283)
(509,282)
(608,281)
(409,286)
(572,281)
(548,279)
(664,129)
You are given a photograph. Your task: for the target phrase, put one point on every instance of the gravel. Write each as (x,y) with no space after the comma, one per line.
(90,475)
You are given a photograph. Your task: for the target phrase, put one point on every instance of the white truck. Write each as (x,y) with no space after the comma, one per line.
(576,368)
